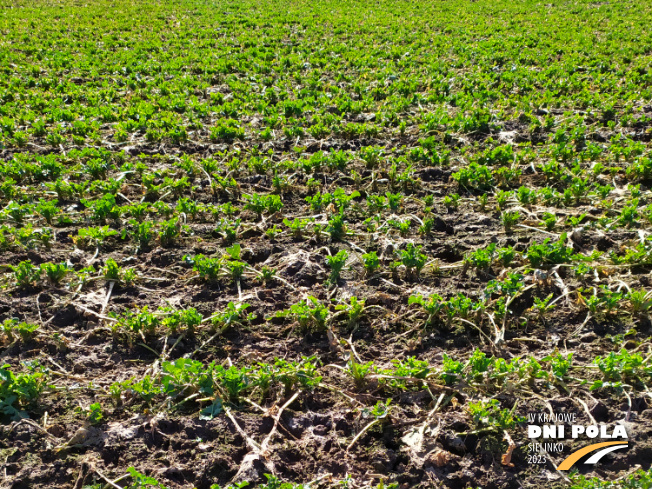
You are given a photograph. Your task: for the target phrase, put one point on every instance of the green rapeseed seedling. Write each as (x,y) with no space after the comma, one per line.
(452,201)
(310,314)
(297,226)
(93,236)
(142,233)
(353,310)
(622,366)
(142,323)
(47,209)
(549,220)
(481,258)
(12,328)
(640,301)
(297,375)
(233,314)
(371,262)
(264,203)
(451,370)
(112,271)
(336,264)
(26,274)
(549,252)
(141,481)
(559,364)
(207,268)
(509,219)
(489,415)
(20,390)
(640,479)
(95,414)
(433,305)
(55,272)
(337,227)
(413,260)
(168,232)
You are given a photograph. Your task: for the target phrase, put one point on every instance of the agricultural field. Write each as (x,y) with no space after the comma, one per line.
(325,244)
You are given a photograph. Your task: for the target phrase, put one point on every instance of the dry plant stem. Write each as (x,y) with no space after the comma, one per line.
(391,284)
(507,457)
(4,467)
(8,349)
(285,282)
(314,481)
(256,405)
(584,323)
(544,400)
(452,266)
(210,180)
(250,441)
(361,433)
(554,464)
(354,353)
(165,347)
(538,230)
(562,286)
(38,308)
(96,314)
(158,355)
(501,338)
(35,425)
(109,482)
(70,376)
(277,418)
(169,272)
(355,247)
(341,392)
(51,360)
(629,405)
(108,296)
(588,412)
(434,410)
(90,262)
(189,398)
(533,340)
(203,345)
(491,342)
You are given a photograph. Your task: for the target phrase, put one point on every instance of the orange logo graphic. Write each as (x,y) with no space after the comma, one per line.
(575,456)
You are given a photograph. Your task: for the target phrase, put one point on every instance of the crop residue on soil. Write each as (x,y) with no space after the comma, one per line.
(342,244)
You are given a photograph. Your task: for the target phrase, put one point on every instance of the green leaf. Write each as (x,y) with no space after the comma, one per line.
(212,410)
